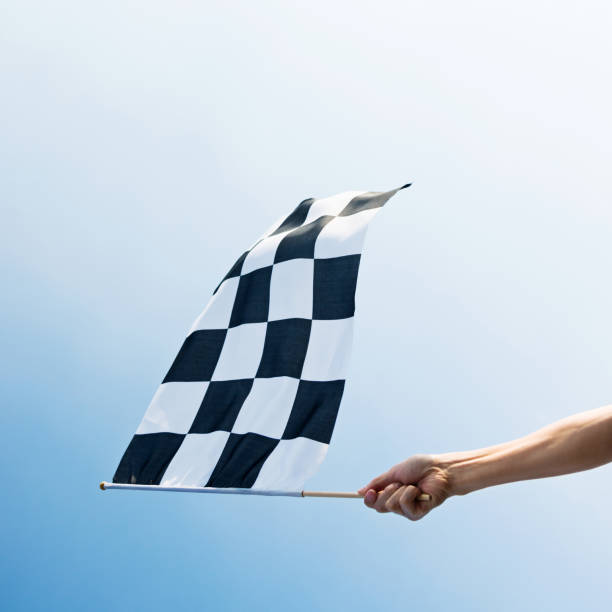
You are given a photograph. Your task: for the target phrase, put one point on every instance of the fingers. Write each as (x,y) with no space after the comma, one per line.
(369,498)
(393,504)
(410,507)
(378,500)
(400,499)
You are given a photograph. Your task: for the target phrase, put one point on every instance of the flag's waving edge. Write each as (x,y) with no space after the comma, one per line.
(252,397)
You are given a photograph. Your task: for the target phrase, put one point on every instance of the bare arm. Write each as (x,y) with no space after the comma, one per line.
(579,442)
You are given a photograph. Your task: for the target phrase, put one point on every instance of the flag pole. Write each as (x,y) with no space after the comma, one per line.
(233,491)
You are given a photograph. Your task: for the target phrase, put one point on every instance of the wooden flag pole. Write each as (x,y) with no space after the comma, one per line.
(229,491)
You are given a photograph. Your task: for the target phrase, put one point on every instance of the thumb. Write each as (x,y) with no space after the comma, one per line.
(378,483)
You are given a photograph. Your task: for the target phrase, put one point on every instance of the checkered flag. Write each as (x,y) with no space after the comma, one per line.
(253,394)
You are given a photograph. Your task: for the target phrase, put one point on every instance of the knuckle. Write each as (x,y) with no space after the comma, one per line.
(406,509)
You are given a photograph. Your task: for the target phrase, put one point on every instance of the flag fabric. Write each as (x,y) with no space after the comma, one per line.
(252,397)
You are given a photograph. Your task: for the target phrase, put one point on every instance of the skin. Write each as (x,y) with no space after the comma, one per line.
(580,442)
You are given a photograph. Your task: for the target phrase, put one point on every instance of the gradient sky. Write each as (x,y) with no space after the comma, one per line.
(143,145)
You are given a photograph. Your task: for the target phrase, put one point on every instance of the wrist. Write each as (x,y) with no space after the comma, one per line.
(465,472)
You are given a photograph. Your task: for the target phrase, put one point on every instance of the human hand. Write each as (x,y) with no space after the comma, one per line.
(397,489)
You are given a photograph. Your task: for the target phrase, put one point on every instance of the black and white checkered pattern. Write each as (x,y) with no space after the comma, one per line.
(252,396)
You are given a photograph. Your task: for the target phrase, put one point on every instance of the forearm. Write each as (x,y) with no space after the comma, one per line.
(576,443)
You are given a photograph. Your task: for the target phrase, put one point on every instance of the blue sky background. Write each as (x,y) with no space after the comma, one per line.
(143,145)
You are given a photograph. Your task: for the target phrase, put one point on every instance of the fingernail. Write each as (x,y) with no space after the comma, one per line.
(370,496)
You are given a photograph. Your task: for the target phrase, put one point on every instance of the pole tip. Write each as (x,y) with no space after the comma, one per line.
(102,486)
